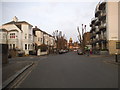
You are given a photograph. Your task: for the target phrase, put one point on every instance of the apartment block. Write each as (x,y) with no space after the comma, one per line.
(104,28)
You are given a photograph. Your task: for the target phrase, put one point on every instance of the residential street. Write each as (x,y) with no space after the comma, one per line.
(70,70)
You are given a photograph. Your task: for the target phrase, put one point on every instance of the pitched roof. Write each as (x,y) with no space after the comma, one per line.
(19,22)
(3,30)
(37,29)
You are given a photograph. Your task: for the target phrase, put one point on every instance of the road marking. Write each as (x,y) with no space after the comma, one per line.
(22,78)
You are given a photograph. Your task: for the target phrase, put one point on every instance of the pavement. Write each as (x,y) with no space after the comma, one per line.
(107,58)
(13,69)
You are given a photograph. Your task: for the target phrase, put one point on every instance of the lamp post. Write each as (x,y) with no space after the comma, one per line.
(116,59)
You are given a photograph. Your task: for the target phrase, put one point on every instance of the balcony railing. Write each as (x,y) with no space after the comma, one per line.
(102,14)
(97,23)
(103,37)
(97,31)
(93,20)
(92,35)
(102,17)
(102,26)
(97,39)
(102,6)
(92,29)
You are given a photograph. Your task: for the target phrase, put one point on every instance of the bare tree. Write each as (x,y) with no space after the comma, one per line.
(60,40)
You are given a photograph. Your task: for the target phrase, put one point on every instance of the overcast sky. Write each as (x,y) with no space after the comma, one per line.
(51,16)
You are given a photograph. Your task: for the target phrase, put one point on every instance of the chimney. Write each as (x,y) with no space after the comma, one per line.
(15,19)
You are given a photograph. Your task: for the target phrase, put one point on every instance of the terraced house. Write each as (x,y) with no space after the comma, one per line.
(43,38)
(105,29)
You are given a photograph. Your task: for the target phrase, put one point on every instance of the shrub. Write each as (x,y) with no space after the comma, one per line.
(43,47)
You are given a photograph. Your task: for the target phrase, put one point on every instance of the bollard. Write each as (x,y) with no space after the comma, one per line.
(116,60)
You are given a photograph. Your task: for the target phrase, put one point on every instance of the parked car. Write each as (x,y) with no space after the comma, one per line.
(9,55)
(66,50)
(20,52)
(61,51)
(79,52)
(74,50)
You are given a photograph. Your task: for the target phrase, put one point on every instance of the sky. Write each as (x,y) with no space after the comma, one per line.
(51,16)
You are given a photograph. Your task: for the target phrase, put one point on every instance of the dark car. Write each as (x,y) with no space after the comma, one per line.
(79,52)
(9,55)
(61,51)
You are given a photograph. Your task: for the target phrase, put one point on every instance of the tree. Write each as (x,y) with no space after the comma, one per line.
(60,40)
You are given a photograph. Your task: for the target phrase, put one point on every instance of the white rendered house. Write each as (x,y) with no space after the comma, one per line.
(19,35)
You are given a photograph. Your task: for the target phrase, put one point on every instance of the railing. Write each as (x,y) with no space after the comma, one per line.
(102,37)
(97,30)
(103,25)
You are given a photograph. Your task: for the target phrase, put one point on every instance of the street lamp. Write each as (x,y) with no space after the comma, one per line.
(116,59)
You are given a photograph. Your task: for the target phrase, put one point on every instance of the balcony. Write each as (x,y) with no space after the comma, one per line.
(103,38)
(97,31)
(103,13)
(97,13)
(97,39)
(93,41)
(97,10)
(97,23)
(93,20)
(92,35)
(102,16)
(102,6)
(92,29)
(102,27)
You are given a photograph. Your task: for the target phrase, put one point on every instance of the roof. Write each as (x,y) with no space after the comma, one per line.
(37,29)
(3,30)
(13,30)
(19,22)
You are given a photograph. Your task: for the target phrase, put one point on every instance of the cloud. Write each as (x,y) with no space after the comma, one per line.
(50,16)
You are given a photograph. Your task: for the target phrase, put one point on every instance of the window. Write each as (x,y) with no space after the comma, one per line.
(41,39)
(28,46)
(25,36)
(13,46)
(0,36)
(10,46)
(117,45)
(12,35)
(47,42)
(38,39)
(25,46)
(29,36)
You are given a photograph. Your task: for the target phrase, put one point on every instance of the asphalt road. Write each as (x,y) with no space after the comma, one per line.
(72,71)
